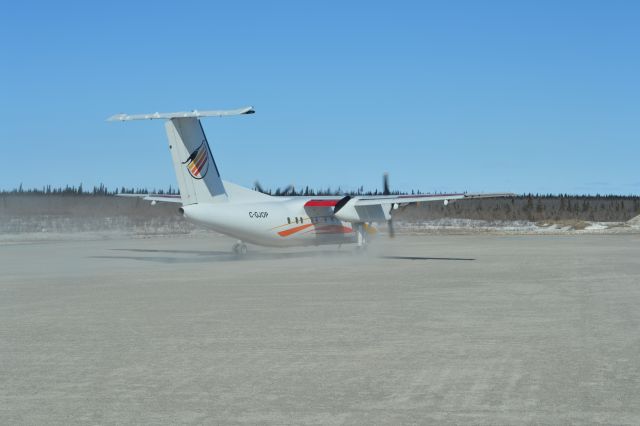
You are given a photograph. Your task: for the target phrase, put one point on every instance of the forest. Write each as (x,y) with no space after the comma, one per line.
(531,207)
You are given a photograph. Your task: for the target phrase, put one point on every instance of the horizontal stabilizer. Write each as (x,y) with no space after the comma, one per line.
(183,114)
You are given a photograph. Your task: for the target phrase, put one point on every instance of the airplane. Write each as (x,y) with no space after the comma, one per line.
(252,216)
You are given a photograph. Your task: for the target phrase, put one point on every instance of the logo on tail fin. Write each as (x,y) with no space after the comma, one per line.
(198,161)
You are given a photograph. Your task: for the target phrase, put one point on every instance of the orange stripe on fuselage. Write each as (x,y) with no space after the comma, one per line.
(280,226)
(288,232)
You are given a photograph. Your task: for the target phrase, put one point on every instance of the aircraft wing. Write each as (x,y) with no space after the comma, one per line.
(377,208)
(410,199)
(165,198)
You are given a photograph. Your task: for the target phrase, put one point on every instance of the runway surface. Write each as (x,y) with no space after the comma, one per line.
(447,330)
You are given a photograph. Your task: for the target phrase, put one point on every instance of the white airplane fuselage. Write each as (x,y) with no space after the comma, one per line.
(285,221)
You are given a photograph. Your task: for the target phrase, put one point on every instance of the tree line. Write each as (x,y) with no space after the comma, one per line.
(102,189)
(530,207)
(81,190)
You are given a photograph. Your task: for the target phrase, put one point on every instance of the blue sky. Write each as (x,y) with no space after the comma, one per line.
(537,96)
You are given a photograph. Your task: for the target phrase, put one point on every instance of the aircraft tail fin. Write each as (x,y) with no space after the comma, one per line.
(196,170)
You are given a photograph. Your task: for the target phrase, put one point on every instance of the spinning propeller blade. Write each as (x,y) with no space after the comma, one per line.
(286,191)
(258,187)
(386,191)
(385,184)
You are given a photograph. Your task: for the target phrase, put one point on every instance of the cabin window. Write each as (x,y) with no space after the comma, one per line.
(301,220)
(289,220)
(296,220)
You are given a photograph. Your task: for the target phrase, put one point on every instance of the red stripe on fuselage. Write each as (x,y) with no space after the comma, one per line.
(321,203)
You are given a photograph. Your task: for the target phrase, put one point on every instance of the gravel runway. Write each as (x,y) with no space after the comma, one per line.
(477,329)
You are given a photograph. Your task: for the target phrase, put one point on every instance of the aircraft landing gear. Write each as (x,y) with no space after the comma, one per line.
(240,248)
(362,240)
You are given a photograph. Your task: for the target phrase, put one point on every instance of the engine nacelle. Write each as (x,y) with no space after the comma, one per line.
(349,212)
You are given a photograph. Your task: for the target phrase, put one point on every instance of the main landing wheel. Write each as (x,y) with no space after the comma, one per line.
(361,249)
(240,248)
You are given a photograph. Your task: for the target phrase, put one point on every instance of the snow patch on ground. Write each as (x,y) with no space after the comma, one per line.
(596,226)
(450,225)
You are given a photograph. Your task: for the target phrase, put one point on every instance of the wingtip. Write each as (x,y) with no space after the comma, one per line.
(117,117)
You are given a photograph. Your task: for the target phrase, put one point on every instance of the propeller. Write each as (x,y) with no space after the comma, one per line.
(286,191)
(258,187)
(386,191)
(385,184)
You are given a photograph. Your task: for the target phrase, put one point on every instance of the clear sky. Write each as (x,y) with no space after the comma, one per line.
(523,96)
